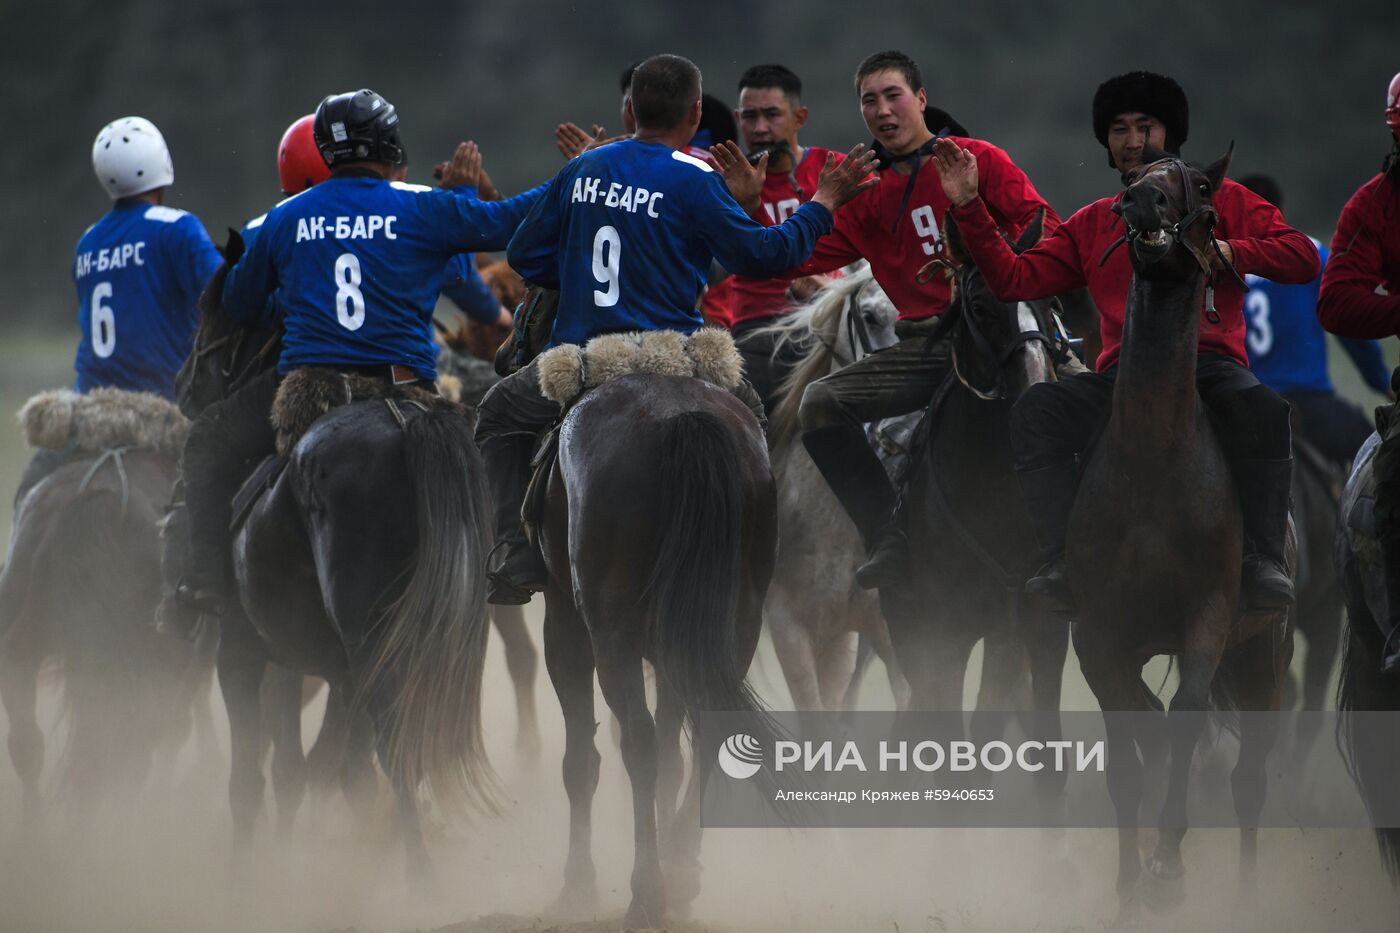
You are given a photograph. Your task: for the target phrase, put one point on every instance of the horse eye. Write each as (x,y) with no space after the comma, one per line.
(1205,187)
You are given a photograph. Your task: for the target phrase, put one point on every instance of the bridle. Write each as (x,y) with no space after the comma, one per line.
(857,333)
(1198,208)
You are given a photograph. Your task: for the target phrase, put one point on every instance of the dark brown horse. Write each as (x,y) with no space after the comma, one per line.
(1155,540)
(80,588)
(659,534)
(385,602)
(969,533)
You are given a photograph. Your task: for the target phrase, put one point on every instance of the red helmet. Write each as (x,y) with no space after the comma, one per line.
(1392,106)
(299,162)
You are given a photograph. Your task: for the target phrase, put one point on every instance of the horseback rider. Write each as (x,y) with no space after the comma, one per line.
(356,263)
(627,232)
(770,116)
(1288,353)
(138,271)
(1053,424)
(895,227)
(1366,257)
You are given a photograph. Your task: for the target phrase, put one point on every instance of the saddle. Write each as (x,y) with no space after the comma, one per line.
(102,420)
(567,372)
(307,394)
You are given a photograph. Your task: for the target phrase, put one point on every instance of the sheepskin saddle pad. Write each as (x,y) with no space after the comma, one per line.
(104,419)
(307,394)
(567,371)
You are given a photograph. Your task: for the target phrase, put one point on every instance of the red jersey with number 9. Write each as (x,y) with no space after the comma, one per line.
(898,242)
(756,299)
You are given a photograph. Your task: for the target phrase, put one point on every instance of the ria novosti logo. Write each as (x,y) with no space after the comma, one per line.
(740,756)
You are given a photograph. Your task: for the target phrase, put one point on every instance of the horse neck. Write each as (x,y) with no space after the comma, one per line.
(819,363)
(1154,398)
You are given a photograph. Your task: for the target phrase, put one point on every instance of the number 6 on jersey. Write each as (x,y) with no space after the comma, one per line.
(607,258)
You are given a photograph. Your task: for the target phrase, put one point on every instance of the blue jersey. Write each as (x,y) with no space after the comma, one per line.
(357,263)
(139,271)
(627,232)
(1287,346)
(462,283)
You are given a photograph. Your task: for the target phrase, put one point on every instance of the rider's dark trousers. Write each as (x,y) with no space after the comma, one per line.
(767,360)
(1333,425)
(225,440)
(1386,468)
(1056,421)
(835,410)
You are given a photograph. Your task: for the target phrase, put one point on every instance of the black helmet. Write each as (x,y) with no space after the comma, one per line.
(358,126)
(1143,92)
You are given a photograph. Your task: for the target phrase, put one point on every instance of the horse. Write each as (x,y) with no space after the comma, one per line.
(387,603)
(80,586)
(1364,686)
(1155,540)
(659,532)
(968,530)
(816,614)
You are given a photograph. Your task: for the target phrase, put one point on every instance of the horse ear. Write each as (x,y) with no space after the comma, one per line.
(1152,154)
(1031,235)
(1216,170)
(956,247)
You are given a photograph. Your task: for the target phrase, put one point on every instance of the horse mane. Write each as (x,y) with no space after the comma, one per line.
(815,324)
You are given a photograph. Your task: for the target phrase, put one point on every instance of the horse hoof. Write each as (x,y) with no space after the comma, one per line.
(1128,917)
(576,902)
(639,917)
(1163,888)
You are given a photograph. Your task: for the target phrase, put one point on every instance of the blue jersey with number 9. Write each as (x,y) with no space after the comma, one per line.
(357,263)
(139,271)
(627,232)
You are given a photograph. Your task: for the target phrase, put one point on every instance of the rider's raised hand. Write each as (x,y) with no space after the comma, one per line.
(957,170)
(571,139)
(465,167)
(745,181)
(840,182)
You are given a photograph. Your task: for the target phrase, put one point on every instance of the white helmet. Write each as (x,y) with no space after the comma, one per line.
(130,157)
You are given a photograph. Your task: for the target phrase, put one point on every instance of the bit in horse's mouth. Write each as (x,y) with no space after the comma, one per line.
(1159,238)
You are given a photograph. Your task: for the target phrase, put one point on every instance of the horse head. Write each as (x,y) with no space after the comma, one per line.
(867,317)
(225,352)
(999,348)
(1169,216)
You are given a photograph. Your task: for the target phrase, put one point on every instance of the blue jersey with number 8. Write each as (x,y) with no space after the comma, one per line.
(627,232)
(357,263)
(139,271)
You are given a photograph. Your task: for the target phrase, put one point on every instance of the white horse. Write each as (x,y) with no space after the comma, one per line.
(816,613)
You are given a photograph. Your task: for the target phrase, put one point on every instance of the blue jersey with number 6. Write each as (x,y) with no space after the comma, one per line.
(139,271)
(627,232)
(357,263)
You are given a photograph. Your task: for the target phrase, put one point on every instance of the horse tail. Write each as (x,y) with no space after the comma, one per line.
(428,662)
(1365,687)
(693,591)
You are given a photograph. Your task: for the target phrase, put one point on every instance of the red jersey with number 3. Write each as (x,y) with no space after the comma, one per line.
(898,242)
(757,299)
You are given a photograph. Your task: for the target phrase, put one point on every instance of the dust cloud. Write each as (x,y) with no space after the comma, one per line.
(161,861)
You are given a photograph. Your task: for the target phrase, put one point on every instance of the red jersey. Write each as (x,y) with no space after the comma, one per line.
(1069,258)
(756,299)
(898,243)
(717,307)
(1365,254)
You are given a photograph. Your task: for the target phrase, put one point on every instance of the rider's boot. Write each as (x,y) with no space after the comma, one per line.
(522,571)
(205,586)
(1049,495)
(863,488)
(1263,486)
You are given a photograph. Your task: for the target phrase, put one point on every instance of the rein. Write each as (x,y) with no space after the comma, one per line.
(857,334)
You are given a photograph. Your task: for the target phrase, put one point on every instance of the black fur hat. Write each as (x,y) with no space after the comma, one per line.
(1143,92)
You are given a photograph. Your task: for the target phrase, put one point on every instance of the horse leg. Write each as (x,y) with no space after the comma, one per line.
(568,656)
(325,763)
(624,690)
(240,680)
(288,759)
(359,781)
(19,674)
(670,718)
(836,668)
(879,634)
(1047,642)
(1186,720)
(1324,644)
(1256,667)
(522,661)
(792,642)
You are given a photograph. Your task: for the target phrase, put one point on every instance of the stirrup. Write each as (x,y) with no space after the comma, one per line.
(888,562)
(1265,585)
(1390,652)
(502,586)
(1050,589)
(208,600)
